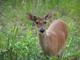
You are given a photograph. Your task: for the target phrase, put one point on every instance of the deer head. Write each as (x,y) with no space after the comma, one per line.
(39,21)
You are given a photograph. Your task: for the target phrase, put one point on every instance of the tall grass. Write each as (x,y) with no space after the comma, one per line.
(18,37)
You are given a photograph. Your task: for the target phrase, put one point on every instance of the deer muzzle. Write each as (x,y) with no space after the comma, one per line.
(42,30)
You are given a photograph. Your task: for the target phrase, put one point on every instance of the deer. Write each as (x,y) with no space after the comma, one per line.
(52,40)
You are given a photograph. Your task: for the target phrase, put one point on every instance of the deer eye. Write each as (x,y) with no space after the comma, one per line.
(45,22)
(37,22)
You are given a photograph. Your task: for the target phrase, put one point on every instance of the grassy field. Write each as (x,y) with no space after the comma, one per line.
(19,37)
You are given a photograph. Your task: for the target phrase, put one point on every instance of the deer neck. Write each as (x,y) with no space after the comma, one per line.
(43,39)
(42,36)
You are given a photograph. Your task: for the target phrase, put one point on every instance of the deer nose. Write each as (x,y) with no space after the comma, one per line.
(42,30)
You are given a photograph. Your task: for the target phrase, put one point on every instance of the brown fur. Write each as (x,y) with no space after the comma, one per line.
(54,38)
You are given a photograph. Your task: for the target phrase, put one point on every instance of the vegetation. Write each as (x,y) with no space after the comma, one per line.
(18,36)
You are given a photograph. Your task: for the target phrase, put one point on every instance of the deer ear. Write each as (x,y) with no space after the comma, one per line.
(31,17)
(47,16)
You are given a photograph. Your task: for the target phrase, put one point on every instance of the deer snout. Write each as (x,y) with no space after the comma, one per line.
(42,30)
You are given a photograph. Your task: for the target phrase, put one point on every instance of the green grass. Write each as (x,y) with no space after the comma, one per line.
(18,36)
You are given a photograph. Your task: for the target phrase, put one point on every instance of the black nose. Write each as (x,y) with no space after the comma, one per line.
(42,30)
